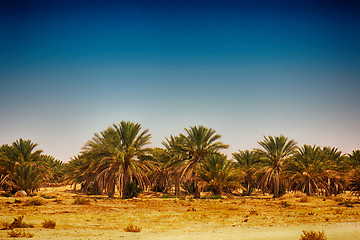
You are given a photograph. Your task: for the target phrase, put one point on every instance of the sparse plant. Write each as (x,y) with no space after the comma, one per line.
(313,235)
(48,223)
(132,228)
(19,234)
(166,195)
(34,202)
(17,223)
(79,200)
(284,204)
(215,197)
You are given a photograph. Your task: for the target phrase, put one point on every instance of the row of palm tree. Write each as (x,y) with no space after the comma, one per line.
(24,168)
(119,159)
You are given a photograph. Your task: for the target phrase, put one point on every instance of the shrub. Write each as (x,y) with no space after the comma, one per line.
(313,235)
(284,204)
(47,223)
(81,201)
(34,202)
(132,228)
(17,223)
(18,234)
(166,195)
(216,197)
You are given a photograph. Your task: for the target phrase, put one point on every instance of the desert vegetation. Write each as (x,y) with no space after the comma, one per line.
(119,159)
(275,183)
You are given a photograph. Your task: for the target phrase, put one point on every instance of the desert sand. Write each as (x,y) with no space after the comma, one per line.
(256,217)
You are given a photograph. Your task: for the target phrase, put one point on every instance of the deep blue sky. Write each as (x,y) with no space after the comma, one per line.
(69,69)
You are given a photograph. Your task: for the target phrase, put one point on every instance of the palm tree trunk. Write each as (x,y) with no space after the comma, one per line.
(177,188)
(197,190)
(277,184)
(125,184)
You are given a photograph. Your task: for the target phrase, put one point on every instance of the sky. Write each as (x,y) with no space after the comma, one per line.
(248,69)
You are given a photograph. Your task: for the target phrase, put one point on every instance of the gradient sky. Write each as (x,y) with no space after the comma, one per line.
(69,69)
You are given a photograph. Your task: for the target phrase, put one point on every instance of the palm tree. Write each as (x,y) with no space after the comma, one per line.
(355,158)
(160,177)
(25,167)
(218,174)
(307,171)
(248,163)
(354,181)
(116,155)
(276,150)
(339,166)
(174,149)
(198,144)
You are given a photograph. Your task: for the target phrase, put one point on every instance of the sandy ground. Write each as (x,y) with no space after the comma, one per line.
(168,218)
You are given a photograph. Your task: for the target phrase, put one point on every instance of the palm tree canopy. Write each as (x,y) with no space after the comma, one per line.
(116,157)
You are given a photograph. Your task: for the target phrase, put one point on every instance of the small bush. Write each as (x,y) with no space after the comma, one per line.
(313,235)
(18,234)
(81,201)
(34,202)
(284,204)
(47,223)
(132,228)
(17,223)
(216,197)
(165,195)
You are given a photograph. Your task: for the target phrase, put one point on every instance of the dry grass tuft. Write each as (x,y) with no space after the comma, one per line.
(19,234)
(79,200)
(313,235)
(17,223)
(47,223)
(132,228)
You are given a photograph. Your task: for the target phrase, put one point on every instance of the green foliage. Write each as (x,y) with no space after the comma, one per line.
(133,190)
(198,144)
(276,150)
(218,174)
(313,235)
(189,187)
(115,159)
(248,164)
(26,168)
